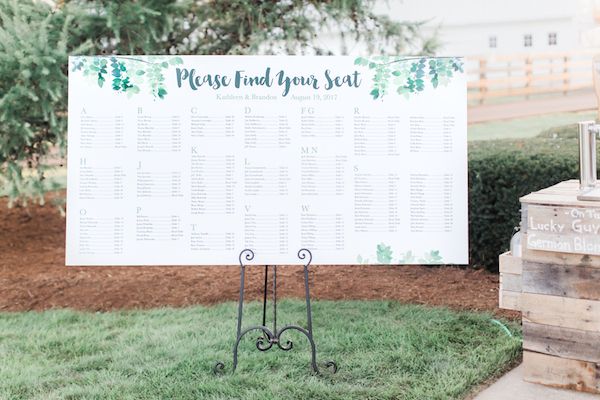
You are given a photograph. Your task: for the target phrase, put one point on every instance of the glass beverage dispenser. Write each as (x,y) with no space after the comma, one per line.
(588,188)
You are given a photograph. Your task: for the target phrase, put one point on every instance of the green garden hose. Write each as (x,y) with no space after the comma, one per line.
(500,324)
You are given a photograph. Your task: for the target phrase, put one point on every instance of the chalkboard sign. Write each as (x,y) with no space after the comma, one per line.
(187,160)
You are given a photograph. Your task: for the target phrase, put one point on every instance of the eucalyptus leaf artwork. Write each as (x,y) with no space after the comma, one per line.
(384,255)
(431,257)
(411,75)
(127,74)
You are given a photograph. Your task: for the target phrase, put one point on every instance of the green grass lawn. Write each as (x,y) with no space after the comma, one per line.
(385,350)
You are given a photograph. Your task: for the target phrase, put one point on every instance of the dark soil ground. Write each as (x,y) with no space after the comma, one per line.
(33,276)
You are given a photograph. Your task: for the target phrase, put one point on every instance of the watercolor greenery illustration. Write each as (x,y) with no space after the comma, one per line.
(385,255)
(411,75)
(127,74)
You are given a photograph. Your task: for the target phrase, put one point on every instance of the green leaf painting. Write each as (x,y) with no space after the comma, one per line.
(384,255)
(128,74)
(411,75)
(407,258)
(431,257)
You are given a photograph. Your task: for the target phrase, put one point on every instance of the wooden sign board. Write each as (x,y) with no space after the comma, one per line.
(563,229)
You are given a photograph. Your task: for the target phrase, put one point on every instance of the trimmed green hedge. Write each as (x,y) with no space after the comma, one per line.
(502,171)
(570,131)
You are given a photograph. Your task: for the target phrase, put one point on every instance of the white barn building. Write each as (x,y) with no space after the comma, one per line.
(494,27)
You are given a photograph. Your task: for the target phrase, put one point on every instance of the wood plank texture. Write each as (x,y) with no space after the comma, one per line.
(561,372)
(560,284)
(511,282)
(510,300)
(565,229)
(548,257)
(560,280)
(562,342)
(510,264)
(563,193)
(561,311)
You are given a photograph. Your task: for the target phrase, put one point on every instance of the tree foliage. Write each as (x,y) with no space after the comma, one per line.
(34,44)
(36,39)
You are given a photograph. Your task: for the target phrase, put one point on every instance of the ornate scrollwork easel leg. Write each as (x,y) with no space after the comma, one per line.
(268,338)
(303,254)
(245,255)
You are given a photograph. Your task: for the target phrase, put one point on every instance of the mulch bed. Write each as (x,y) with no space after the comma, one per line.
(33,276)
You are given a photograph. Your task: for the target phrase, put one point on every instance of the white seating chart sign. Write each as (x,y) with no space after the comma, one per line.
(188,160)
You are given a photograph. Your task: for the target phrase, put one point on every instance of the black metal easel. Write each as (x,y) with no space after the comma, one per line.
(270,337)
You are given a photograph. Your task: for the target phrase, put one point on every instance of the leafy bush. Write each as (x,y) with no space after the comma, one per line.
(502,171)
(570,131)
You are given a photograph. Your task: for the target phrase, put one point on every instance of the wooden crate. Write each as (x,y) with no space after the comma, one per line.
(510,282)
(560,283)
